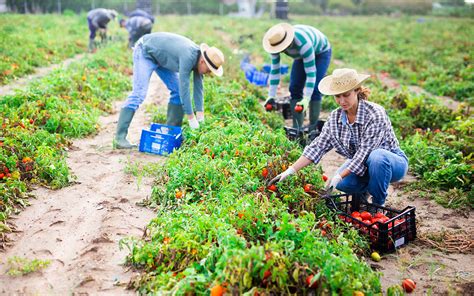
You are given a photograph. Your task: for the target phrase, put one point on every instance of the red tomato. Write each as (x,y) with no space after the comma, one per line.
(408,285)
(355,214)
(268,107)
(366,216)
(272,188)
(267,274)
(298,108)
(2,175)
(308,187)
(379,215)
(179,194)
(6,170)
(265,172)
(309,278)
(217,290)
(366,222)
(384,219)
(325,178)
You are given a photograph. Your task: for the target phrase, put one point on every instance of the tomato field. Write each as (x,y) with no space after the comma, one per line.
(217,229)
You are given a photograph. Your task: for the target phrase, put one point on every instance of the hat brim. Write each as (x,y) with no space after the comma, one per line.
(219,71)
(290,35)
(324,86)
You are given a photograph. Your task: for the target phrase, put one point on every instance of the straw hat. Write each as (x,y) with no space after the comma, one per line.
(214,58)
(341,81)
(278,38)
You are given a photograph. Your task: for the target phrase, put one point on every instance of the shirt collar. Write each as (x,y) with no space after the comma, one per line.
(359,115)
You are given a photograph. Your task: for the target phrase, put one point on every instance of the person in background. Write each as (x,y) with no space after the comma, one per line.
(311,52)
(362,132)
(98,19)
(139,12)
(137,26)
(174,58)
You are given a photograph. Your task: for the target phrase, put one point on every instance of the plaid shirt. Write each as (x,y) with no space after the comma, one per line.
(371,130)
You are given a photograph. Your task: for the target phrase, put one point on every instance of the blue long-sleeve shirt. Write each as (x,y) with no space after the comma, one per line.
(178,54)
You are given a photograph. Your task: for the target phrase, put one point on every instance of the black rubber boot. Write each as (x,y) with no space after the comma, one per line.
(174,115)
(121,142)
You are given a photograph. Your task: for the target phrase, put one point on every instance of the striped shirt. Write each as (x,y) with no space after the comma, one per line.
(371,130)
(308,42)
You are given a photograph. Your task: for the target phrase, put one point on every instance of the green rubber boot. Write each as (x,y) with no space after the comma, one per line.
(92,46)
(174,115)
(314,110)
(121,142)
(298,117)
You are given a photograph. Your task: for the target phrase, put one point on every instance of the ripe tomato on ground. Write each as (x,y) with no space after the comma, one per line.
(265,172)
(408,285)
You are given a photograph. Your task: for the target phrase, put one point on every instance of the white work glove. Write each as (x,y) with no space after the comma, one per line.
(200,116)
(282,176)
(333,183)
(304,102)
(193,123)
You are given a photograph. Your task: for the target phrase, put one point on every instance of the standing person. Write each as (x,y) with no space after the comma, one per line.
(311,52)
(98,19)
(174,58)
(137,26)
(362,132)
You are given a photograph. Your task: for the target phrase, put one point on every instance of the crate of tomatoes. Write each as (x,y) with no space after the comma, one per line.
(386,228)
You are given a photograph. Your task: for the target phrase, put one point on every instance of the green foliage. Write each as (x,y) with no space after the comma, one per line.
(21,266)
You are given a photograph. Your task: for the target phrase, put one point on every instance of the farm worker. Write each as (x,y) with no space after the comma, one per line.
(174,58)
(139,12)
(311,52)
(137,26)
(98,19)
(362,132)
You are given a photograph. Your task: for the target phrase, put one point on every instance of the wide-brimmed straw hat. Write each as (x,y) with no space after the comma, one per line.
(278,38)
(341,81)
(214,58)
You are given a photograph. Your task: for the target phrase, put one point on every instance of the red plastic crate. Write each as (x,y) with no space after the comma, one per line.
(399,230)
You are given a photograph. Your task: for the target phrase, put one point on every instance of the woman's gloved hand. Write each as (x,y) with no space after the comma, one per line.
(332,184)
(282,176)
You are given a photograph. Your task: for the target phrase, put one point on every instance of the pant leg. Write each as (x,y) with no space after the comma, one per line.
(384,167)
(92,29)
(352,183)
(171,80)
(142,70)
(297,80)
(322,64)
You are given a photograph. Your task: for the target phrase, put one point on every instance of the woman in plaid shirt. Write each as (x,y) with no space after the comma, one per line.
(362,132)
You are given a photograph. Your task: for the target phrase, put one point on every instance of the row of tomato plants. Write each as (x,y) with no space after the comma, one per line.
(30,41)
(220,229)
(39,122)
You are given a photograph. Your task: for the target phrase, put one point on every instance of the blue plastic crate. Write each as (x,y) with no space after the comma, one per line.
(267,68)
(160,139)
(259,78)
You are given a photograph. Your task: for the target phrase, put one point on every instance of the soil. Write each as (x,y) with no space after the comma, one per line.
(78,228)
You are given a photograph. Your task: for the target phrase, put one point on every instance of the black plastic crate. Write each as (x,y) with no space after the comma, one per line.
(384,236)
(304,136)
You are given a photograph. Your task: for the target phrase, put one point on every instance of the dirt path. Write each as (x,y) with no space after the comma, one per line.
(78,228)
(39,72)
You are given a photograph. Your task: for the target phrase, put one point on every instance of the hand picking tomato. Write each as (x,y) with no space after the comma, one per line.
(298,108)
(408,285)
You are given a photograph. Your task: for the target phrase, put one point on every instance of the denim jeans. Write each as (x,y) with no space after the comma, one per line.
(298,76)
(383,168)
(142,70)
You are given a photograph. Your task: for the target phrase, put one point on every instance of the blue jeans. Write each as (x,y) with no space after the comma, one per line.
(142,70)
(298,76)
(383,168)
